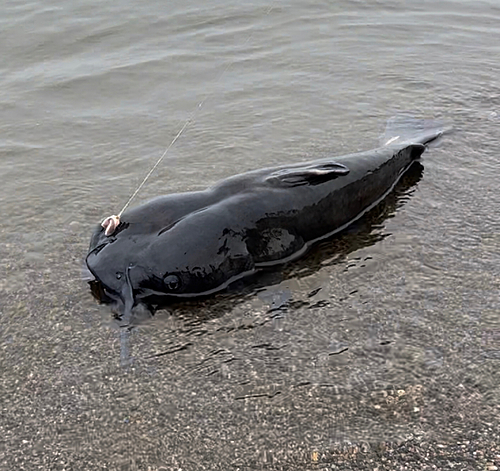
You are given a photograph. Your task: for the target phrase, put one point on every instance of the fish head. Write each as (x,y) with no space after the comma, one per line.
(188,260)
(112,260)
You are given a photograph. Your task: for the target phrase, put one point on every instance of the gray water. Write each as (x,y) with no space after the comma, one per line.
(390,332)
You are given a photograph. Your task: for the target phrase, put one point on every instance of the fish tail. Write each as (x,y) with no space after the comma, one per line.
(407,129)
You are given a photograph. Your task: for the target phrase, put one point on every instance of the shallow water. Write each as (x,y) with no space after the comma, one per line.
(390,331)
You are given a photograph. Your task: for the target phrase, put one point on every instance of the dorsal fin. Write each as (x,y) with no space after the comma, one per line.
(308,175)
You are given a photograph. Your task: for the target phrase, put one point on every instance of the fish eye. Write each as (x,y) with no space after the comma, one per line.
(172,282)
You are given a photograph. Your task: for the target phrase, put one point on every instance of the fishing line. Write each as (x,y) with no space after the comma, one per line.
(112,222)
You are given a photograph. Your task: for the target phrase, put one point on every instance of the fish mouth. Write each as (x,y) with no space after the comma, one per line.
(121,296)
(106,286)
(122,304)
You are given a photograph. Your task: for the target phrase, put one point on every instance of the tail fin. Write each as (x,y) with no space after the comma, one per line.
(405,128)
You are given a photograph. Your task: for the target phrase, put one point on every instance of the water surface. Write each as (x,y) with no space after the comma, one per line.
(390,332)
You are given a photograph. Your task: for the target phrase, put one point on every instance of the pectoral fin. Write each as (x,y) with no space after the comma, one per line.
(308,175)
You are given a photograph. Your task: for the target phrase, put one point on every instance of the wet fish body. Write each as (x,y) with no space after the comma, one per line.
(197,243)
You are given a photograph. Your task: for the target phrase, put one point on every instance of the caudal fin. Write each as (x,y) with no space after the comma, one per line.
(405,128)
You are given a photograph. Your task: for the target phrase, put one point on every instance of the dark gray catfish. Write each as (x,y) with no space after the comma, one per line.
(197,243)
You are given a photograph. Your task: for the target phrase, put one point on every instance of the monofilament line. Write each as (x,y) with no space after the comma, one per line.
(186,124)
(156,165)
